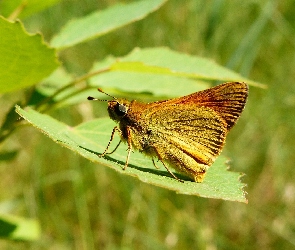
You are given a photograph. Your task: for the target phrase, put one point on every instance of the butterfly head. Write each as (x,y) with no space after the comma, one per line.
(117,108)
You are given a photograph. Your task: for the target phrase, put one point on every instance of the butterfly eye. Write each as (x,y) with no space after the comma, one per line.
(121,109)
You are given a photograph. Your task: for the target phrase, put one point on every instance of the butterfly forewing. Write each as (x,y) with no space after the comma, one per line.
(227,99)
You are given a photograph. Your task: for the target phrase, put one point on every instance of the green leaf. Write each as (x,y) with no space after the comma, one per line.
(17,228)
(91,138)
(168,62)
(26,7)
(105,21)
(25,59)
(157,85)
(163,71)
(155,73)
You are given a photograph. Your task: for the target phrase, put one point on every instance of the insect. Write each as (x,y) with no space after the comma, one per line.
(185,133)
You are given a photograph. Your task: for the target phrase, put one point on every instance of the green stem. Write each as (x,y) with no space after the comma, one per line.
(40,106)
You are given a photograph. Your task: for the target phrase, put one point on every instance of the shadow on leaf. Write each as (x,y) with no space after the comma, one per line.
(142,169)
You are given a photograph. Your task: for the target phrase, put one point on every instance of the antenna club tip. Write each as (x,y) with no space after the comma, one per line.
(95,99)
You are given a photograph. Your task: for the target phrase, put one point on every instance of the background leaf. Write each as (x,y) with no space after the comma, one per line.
(164,72)
(17,228)
(26,7)
(25,59)
(162,67)
(92,137)
(102,22)
(166,61)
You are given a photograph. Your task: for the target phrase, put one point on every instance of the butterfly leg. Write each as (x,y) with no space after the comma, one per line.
(155,164)
(112,137)
(115,148)
(161,159)
(129,146)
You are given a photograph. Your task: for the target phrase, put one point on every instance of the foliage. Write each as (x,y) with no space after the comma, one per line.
(148,54)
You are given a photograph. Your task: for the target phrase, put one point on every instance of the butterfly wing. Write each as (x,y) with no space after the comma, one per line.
(189,138)
(227,99)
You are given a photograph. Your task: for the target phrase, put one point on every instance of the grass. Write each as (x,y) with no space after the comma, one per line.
(85,206)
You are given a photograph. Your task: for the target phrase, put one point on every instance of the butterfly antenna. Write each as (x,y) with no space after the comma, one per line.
(90,98)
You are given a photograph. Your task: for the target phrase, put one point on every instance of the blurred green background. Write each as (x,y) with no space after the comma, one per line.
(81,205)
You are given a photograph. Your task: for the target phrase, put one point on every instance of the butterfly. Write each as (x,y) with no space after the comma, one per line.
(185,133)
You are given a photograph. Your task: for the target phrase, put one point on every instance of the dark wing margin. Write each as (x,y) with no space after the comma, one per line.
(227,99)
